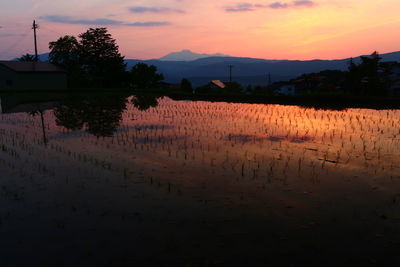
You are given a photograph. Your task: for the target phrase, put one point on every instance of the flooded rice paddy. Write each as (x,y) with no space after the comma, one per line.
(140,181)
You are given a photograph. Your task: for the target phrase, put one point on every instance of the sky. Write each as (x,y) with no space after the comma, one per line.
(146,29)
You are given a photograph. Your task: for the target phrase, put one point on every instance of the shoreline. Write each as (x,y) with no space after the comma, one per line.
(311,101)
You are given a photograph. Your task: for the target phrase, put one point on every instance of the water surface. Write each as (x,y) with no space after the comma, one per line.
(128,179)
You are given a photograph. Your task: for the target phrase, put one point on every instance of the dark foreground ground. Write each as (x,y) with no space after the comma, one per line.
(136,221)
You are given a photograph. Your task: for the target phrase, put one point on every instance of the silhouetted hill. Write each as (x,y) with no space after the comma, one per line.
(252,71)
(394,56)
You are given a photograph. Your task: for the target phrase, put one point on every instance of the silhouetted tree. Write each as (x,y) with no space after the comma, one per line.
(264,90)
(186,86)
(145,77)
(100,57)
(364,79)
(65,53)
(93,60)
(232,88)
(27,58)
(326,81)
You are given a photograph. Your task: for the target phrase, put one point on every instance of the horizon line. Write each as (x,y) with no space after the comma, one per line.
(230,56)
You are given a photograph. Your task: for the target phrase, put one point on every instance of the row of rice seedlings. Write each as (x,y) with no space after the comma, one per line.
(216,133)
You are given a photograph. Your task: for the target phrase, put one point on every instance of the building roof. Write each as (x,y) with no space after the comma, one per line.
(218,83)
(23,66)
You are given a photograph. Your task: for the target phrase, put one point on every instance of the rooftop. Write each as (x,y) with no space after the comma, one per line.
(218,83)
(23,66)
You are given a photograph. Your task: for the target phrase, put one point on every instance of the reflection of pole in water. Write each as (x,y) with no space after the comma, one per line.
(43,128)
(41,112)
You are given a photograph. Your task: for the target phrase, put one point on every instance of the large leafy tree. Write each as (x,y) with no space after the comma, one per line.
(145,77)
(65,53)
(100,57)
(92,60)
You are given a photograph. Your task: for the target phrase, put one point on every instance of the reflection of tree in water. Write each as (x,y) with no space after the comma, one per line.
(144,102)
(99,115)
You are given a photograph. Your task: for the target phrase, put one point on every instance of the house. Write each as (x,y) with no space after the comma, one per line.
(219,87)
(213,86)
(286,89)
(30,76)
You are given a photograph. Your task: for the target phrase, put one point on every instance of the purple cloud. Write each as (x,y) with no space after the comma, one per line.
(102,21)
(149,23)
(278,5)
(142,9)
(246,7)
(303,3)
(69,20)
(11,34)
(242,7)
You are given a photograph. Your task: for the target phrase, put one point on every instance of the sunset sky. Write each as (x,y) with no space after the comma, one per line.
(144,29)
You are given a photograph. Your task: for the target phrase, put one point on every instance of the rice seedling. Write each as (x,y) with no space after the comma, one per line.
(217,151)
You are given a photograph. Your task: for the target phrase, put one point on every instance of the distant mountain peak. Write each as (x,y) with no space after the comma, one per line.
(188,55)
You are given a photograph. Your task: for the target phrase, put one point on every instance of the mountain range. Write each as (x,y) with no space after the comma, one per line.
(202,68)
(247,71)
(187,55)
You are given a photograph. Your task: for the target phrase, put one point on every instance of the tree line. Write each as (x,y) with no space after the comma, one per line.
(93,60)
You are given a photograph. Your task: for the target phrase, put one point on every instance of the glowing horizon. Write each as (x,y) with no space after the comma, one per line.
(294,29)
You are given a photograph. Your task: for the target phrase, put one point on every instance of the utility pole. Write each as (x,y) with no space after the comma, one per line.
(230,73)
(34,27)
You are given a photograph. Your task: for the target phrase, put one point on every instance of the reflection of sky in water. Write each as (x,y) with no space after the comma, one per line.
(279,143)
(152,127)
(73,134)
(294,176)
(246,138)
